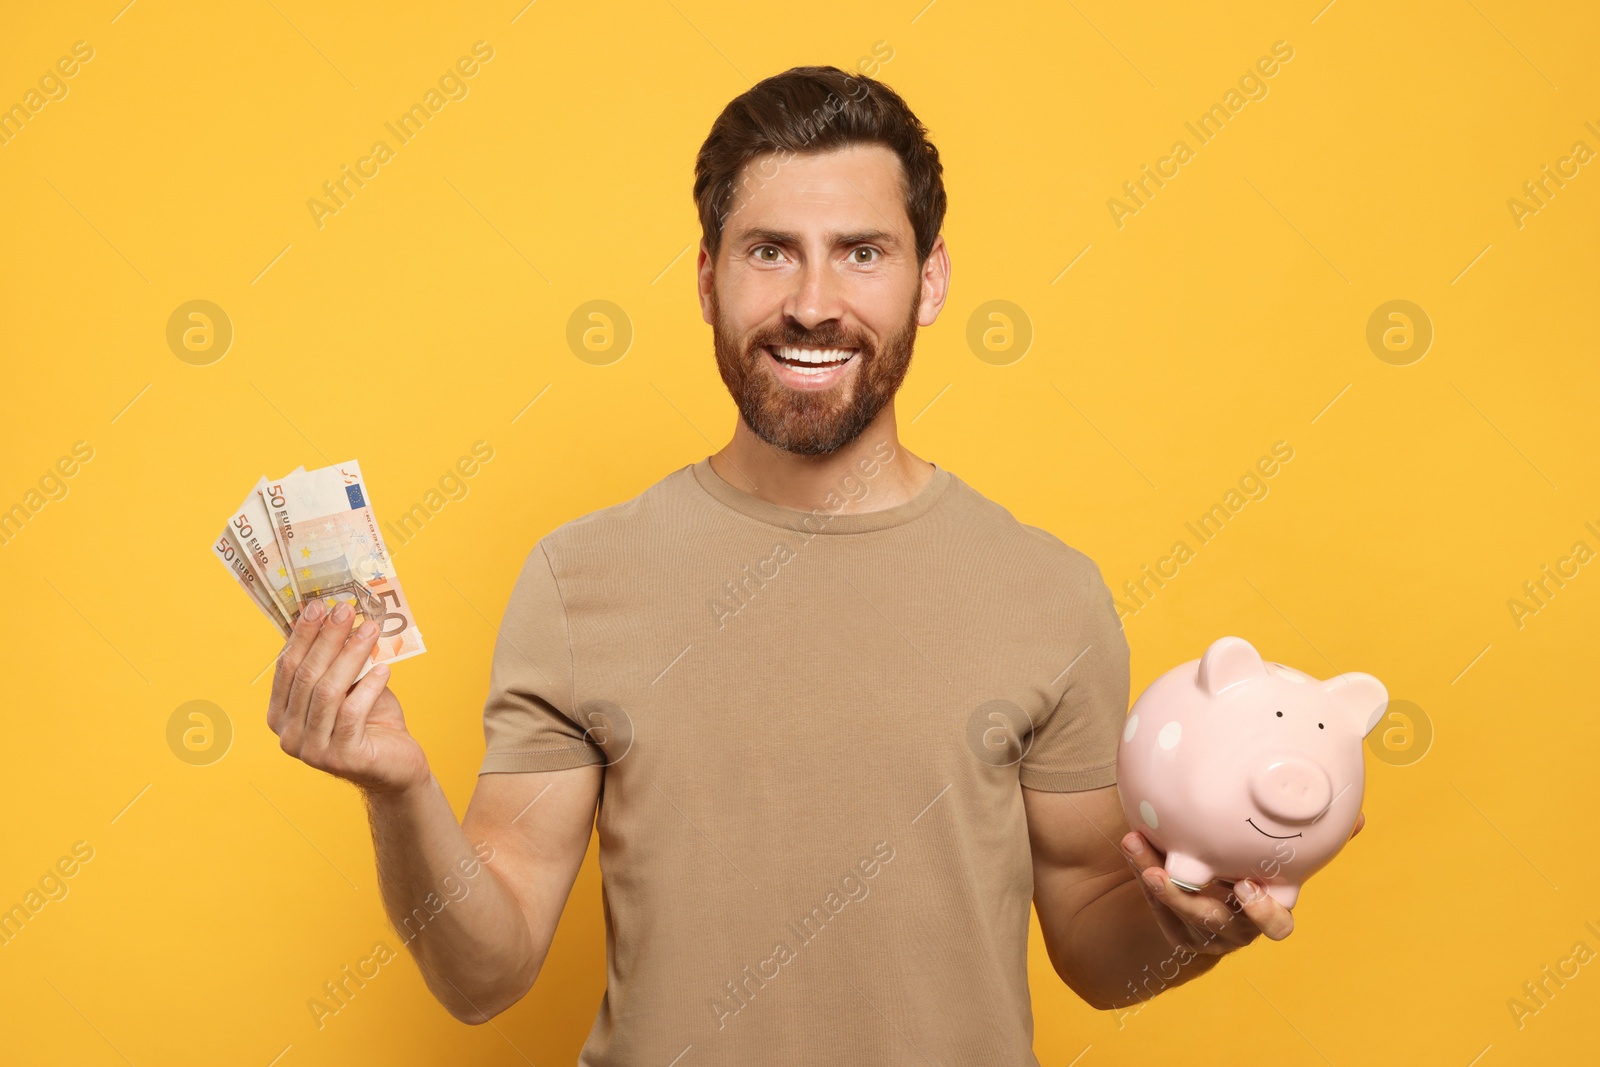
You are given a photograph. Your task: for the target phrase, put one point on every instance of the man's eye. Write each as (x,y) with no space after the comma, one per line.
(866,254)
(761,253)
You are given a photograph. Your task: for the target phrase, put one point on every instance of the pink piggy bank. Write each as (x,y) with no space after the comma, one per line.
(1238,768)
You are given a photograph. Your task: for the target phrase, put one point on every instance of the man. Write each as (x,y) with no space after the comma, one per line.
(842,716)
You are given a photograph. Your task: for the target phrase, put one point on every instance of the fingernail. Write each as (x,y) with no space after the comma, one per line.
(1247,891)
(1153,880)
(342,612)
(381,670)
(368,628)
(314,610)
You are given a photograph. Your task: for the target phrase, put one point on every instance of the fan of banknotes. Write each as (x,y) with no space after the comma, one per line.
(310,536)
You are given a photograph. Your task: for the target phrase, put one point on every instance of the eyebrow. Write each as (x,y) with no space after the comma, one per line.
(783,237)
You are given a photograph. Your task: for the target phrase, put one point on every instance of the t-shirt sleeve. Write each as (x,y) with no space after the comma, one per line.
(1075,747)
(528,722)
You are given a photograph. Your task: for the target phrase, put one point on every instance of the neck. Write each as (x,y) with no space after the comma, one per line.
(805,482)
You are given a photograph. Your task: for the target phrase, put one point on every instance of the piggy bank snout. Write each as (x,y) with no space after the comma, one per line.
(1292,789)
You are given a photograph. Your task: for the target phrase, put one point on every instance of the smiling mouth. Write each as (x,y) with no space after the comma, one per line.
(810,361)
(1279,837)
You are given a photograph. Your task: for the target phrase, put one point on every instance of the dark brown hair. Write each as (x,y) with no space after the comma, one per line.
(816,109)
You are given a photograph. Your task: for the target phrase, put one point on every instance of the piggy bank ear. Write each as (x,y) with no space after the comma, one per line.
(1228,661)
(1362,695)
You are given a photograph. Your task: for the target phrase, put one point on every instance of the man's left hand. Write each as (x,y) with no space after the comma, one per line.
(1215,920)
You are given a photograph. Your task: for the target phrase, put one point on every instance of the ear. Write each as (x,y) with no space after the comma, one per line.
(934,284)
(705,282)
(1227,662)
(1362,695)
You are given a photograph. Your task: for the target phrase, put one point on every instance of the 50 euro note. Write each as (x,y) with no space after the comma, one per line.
(329,541)
(226,549)
(247,537)
(251,529)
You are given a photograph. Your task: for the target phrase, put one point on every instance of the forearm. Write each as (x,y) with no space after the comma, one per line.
(1114,953)
(466,931)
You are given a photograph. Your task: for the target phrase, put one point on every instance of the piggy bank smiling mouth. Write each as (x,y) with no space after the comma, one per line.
(1275,837)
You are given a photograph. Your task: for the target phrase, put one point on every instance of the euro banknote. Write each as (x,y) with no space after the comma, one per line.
(243,560)
(311,535)
(251,529)
(226,549)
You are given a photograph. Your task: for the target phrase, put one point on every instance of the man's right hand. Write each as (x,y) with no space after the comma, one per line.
(482,954)
(358,734)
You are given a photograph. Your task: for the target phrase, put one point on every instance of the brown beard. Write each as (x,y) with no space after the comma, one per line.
(811,423)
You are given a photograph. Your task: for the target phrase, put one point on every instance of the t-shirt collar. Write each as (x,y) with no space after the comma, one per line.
(825,519)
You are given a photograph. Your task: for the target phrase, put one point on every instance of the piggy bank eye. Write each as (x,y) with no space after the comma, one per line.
(1280,714)
(1319,726)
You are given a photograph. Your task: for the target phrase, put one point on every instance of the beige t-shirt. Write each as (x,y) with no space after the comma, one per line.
(813,848)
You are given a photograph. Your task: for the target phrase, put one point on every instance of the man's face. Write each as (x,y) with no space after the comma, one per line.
(816,295)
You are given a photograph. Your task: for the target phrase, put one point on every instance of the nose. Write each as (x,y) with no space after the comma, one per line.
(817,295)
(1291,789)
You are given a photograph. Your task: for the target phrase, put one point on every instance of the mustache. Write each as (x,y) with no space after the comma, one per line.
(798,337)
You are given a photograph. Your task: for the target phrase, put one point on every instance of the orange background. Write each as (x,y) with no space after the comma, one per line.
(1167,354)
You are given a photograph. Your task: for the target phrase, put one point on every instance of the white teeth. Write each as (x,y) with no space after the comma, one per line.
(815,355)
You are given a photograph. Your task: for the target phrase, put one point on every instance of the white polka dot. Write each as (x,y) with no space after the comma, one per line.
(1147,813)
(1127,731)
(1170,734)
